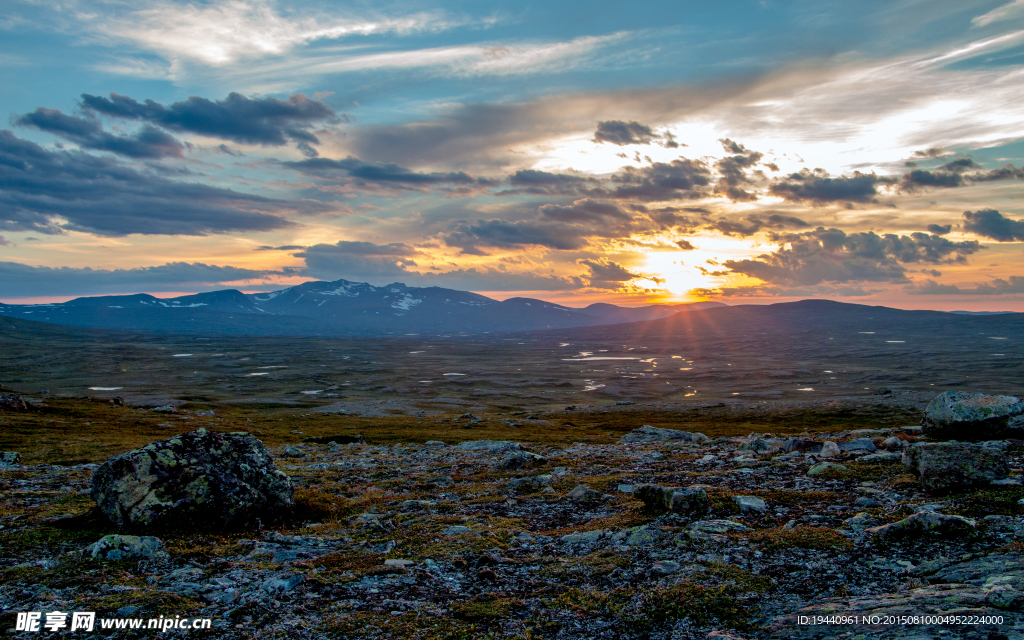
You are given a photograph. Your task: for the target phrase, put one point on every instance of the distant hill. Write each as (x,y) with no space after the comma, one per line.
(336,308)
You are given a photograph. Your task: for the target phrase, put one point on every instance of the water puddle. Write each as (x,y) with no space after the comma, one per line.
(870,332)
(590,386)
(105,388)
(182,355)
(312,393)
(453,374)
(895,341)
(806,389)
(262,373)
(411,352)
(274,366)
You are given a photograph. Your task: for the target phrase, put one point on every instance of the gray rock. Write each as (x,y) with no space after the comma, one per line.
(655,497)
(757,445)
(803,445)
(642,536)
(893,443)
(972,416)
(529,484)
(860,444)
(864,501)
(433,443)
(664,567)
(122,547)
(825,467)
(490,446)
(10,459)
(691,501)
(648,433)
(293,452)
(583,493)
(522,460)
(1014,481)
(583,537)
(925,524)
(750,504)
(1003,596)
(206,414)
(881,457)
(13,402)
(860,522)
(456,530)
(829,449)
(167,408)
(283,584)
(718,526)
(204,479)
(947,466)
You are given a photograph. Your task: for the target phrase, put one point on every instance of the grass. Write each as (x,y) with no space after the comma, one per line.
(820,538)
(1002,501)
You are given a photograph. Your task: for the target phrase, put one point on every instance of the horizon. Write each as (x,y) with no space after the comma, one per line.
(747,153)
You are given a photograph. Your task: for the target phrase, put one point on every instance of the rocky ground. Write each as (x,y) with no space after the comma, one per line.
(502,539)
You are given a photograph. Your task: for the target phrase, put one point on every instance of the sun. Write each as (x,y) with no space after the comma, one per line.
(701,268)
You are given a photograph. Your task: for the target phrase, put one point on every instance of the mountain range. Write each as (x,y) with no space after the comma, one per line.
(336,308)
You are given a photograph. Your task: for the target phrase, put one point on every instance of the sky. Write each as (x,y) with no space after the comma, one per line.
(579,152)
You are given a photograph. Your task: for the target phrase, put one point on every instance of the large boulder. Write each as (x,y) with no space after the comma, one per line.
(947,466)
(961,415)
(13,402)
(648,433)
(197,479)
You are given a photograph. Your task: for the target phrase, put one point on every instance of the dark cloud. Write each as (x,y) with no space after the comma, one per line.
(934,152)
(54,191)
(503,234)
(622,133)
(733,171)
(670,217)
(605,274)
(992,224)
(676,180)
(20,280)
(940,229)
(754,223)
(535,182)
(287,247)
(685,245)
(88,133)
(262,121)
(1014,284)
(817,187)
(831,255)
(4,242)
(385,174)
(585,210)
(957,173)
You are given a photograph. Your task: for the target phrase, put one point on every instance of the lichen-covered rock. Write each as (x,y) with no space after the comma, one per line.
(925,523)
(825,467)
(583,493)
(522,460)
(10,459)
(946,466)
(691,501)
(121,547)
(648,433)
(962,415)
(197,479)
(490,446)
(859,444)
(655,497)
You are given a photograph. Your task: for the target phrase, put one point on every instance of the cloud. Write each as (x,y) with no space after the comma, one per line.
(676,180)
(1003,12)
(149,142)
(755,223)
(733,171)
(382,264)
(4,242)
(940,229)
(56,191)
(585,210)
(623,133)
(833,256)
(223,33)
(999,286)
(818,188)
(503,234)
(287,247)
(21,280)
(531,181)
(261,121)
(957,173)
(989,223)
(606,274)
(685,245)
(385,173)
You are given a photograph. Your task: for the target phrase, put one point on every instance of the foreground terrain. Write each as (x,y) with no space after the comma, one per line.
(413,534)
